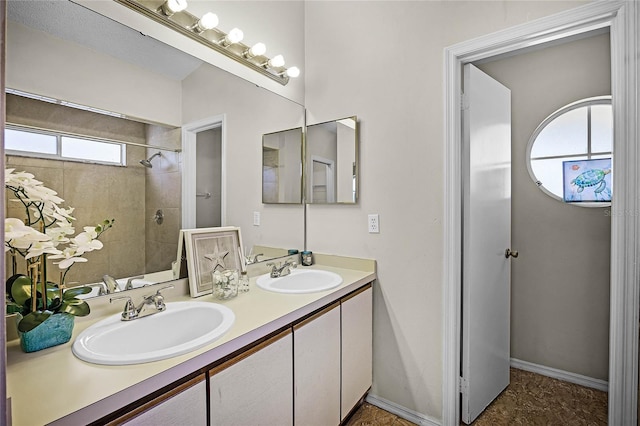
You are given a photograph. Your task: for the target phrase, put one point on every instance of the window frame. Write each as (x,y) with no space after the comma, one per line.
(587,102)
(58,155)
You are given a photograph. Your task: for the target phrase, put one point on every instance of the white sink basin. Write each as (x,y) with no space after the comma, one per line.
(300,281)
(181,328)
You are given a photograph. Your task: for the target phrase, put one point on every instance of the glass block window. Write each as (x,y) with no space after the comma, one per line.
(582,130)
(57,146)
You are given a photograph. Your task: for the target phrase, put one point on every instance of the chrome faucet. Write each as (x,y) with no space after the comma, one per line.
(144,309)
(110,284)
(282,270)
(102,288)
(249,260)
(129,285)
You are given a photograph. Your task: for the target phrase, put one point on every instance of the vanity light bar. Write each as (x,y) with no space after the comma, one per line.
(204,30)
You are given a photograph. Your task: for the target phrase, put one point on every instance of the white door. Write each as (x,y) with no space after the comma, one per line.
(486,236)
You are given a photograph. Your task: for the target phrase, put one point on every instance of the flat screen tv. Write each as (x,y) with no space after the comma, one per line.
(587,180)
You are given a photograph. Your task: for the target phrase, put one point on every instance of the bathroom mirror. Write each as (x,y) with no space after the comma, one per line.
(282,167)
(331,162)
(43,44)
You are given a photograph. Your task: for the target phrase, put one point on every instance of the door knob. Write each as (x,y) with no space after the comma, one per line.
(508,253)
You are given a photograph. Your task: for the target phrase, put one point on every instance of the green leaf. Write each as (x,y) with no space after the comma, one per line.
(10,282)
(52,293)
(13,308)
(76,307)
(21,289)
(75,291)
(32,320)
(54,304)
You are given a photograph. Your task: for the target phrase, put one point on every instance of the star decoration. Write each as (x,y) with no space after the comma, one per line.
(217,257)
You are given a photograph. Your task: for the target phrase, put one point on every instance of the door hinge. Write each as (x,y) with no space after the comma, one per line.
(464,385)
(464,101)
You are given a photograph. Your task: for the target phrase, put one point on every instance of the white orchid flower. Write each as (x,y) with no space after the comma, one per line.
(43,194)
(60,214)
(68,262)
(59,233)
(38,248)
(15,228)
(83,243)
(43,208)
(69,256)
(91,232)
(20,179)
(20,236)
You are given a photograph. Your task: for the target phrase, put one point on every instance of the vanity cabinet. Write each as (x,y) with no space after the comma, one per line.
(255,387)
(316,366)
(357,347)
(333,360)
(184,405)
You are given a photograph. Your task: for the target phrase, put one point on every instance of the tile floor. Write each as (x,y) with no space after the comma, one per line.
(530,399)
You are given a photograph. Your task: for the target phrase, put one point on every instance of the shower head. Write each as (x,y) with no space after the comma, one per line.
(147,162)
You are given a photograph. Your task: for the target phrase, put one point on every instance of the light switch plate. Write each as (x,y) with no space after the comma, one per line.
(256,218)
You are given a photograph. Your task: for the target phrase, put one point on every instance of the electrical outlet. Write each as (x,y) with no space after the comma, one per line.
(374,224)
(256,218)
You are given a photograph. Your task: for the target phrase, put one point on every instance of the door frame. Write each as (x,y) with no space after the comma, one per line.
(189,160)
(330,181)
(623,20)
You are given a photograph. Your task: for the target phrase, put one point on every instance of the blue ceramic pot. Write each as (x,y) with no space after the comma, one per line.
(56,330)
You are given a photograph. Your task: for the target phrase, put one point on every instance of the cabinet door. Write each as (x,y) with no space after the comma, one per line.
(357,348)
(256,387)
(316,366)
(185,405)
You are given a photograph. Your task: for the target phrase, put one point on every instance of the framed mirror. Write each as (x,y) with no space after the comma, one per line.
(282,167)
(331,162)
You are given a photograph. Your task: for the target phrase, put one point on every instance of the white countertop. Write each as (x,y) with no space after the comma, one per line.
(53,385)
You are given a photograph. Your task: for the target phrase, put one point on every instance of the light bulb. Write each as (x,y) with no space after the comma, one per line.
(208,21)
(276,62)
(170,7)
(256,50)
(292,72)
(235,36)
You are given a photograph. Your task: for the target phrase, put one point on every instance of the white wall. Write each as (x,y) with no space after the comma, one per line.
(249,113)
(560,281)
(382,61)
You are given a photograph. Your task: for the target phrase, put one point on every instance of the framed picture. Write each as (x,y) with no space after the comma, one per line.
(207,250)
(587,180)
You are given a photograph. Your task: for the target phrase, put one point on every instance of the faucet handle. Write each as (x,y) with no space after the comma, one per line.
(130,311)
(164,288)
(158,298)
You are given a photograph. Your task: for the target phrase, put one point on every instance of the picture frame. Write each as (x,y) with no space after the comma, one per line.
(206,250)
(587,180)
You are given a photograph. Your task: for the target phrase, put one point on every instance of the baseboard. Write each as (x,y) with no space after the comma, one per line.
(566,376)
(400,411)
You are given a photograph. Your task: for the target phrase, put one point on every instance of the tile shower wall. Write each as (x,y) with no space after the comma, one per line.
(95,191)
(164,192)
